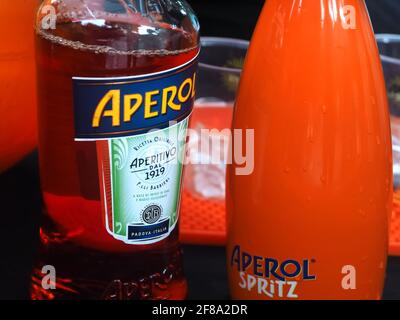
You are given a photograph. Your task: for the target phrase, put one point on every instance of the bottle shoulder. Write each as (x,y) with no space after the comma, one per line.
(123,25)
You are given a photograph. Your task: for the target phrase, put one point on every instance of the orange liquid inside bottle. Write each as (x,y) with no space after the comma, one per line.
(315,224)
(111,42)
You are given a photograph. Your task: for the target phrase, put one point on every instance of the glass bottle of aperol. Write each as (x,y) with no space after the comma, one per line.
(116,83)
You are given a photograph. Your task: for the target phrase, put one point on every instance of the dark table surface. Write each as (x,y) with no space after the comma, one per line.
(20,211)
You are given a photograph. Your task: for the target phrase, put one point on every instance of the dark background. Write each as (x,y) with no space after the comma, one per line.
(205,266)
(227,18)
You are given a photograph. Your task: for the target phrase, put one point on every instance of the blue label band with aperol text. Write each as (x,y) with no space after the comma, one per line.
(107,108)
(140,125)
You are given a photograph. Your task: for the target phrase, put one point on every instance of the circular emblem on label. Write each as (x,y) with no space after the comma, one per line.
(151,214)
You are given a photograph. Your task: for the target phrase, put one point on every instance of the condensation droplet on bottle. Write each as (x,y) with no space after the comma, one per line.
(310,134)
(373,100)
(323,179)
(387,184)
(287,170)
(362,213)
(378,141)
(323,108)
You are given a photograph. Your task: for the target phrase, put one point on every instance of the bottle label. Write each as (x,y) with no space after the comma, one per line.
(139,124)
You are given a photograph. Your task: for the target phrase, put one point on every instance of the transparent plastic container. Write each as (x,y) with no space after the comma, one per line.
(221,60)
(203,203)
(389,47)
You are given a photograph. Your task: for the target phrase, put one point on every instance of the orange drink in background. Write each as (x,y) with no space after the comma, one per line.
(311,221)
(17,85)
